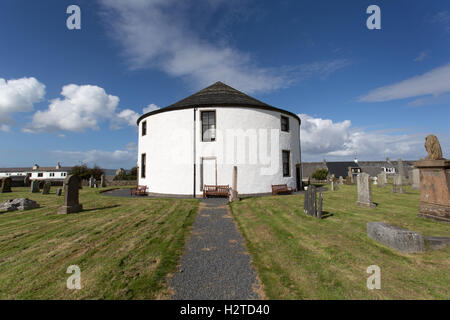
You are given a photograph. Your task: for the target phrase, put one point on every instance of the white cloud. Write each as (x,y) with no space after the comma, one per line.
(339,140)
(18,95)
(159,34)
(129,117)
(81,108)
(126,158)
(422,56)
(434,82)
(151,107)
(442,18)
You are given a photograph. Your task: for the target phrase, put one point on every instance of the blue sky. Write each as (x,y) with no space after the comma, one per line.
(74,95)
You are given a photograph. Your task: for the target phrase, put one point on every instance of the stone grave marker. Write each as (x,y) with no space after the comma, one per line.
(397,184)
(364,191)
(102,181)
(59,192)
(71,195)
(341,180)
(381,179)
(5,186)
(91,182)
(310,205)
(46,188)
(401,171)
(415,179)
(34,186)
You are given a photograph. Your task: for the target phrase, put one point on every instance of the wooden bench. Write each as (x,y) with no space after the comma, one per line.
(218,191)
(139,191)
(281,188)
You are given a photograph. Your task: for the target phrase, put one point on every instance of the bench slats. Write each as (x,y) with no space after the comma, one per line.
(281,188)
(216,190)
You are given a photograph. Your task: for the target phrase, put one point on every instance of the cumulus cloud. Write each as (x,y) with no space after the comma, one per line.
(339,140)
(434,82)
(129,117)
(126,157)
(18,95)
(151,107)
(81,108)
(159,34)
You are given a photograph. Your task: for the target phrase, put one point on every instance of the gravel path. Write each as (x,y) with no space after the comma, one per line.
(216,264)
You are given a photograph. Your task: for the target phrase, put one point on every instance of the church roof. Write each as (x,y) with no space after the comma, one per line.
(218,95)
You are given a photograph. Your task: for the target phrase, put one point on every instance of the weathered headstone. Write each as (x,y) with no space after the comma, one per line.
(26,181)
(397,184)
(332,185)
(234,192)
(310,205)
(348,180)
(404,240)
(401,172)
(375,181)
(382,179)
(434,182)
(91,182)
(46,188)
(415,179)
(102,181)
(34,186)
(59,192)
(341,180)
(5,186)
(71,194)
(364,191)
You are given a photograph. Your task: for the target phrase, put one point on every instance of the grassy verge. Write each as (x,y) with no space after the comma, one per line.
(124,247)
(300,257)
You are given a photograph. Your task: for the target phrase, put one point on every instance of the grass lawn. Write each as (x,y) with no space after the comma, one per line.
(300,257)
(124,247)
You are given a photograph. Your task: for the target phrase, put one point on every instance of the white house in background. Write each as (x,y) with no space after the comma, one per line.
(37,173)
(197,141)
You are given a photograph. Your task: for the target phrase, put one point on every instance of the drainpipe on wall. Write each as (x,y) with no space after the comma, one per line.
(195,141)
(300,148)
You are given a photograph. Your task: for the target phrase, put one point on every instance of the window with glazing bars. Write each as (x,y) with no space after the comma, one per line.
(208,125)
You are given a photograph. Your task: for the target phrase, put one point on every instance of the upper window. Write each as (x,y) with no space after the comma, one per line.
(52,174)
(284,124)
(40,174)
(208,125)
(144,128)
(286,163)
(143,164)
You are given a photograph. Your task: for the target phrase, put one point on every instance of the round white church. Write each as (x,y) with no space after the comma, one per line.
(200,139)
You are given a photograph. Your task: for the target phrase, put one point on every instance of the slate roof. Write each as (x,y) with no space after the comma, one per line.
(30,169)
(340,169)
(218,95)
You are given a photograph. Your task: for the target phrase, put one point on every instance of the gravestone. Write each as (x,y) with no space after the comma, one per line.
(91,182)
(364,191)
(34,186)
(332,185)
(382,179)
(434,182)
(415,179)
(46,188)
(341,180)
(5,186)
(348,180)
(102,181)
(375,181)
(397,184)
(59,192)
(234,192)
(403,240)
(401,171)
(310,205)
(26,181)
(71,194)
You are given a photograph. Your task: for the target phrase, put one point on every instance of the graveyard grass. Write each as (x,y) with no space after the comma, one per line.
(301,257)
(125,248)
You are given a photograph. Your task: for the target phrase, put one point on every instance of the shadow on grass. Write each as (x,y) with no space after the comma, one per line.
(326,214)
